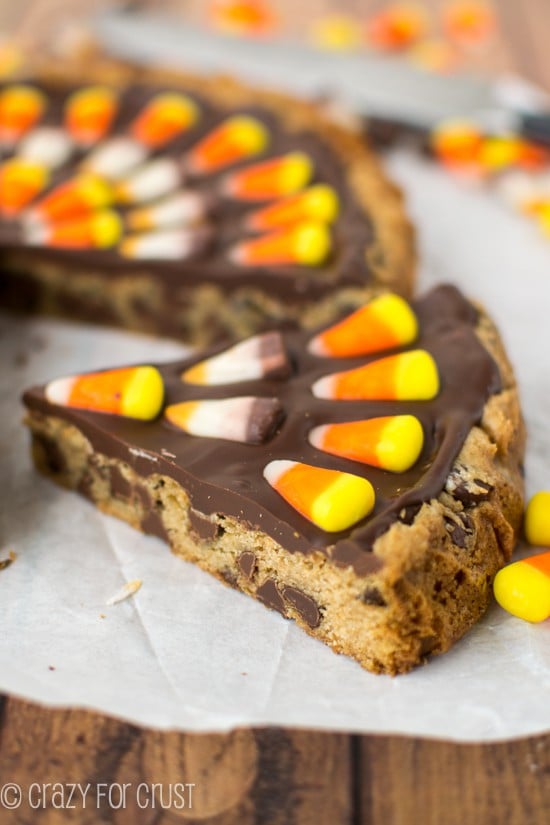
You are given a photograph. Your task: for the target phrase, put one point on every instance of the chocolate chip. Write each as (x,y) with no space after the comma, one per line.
(247,563)
(269,594)
(202,526)
(152,523)
(467,492)
(372,595)
(427,644)
(303,604)
(53,458)
(457,532)
(229,577)
(408,514)
(120,486)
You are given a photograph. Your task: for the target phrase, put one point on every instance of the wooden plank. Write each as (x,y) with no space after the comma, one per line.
(403,781)
(244,777)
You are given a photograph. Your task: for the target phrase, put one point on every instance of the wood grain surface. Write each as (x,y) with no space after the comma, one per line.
(276,776)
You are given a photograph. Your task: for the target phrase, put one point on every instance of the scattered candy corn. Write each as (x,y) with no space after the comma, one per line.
(272,179)
(497,153)
(248,419)
(393,442)
(98,230)
(523,588)
(46,145)
(537,519)
(384,323)
(332,500)
(134,392)
(152,180)
(243,17)
(20,108)
(318,203)
(237,138)
(306,244)
(336,32)
(76,198)
(11,58)
(397,26)
(20,182)
(89,114)
(408,376)
(180,209)
(262,356)
(165,117)
(469,22)
(174,244)
(457,142)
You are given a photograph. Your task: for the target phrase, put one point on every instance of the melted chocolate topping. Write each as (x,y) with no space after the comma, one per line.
(226,477)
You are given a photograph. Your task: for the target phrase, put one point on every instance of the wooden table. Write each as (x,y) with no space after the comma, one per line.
(278,776)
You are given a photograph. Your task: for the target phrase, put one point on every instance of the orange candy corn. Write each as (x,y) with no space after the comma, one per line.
(272,179)
(318,203)
(384,323)
(243,17)
(332,500)
(237,138)
(392,442)
(99,230)
(134,392)
(20,108)
(20,182)
(408,376)
(89,114)
(306,244)
(457,142)
(165,117)
(76,198)
(469,22)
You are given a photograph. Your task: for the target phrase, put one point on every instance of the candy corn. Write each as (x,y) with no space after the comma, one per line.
(397,27)
(46,145)
(114,158)
(523,588)
(469,22)
(272,179)
(99,230)
(20,182)
(20,108)
(262,356)
(537,519)
(134,392)
(332,500)
(89,114)
(384,323)
(175,244)
(249,419)
(457,142)
(181,209)
(408,376)
(392,442)
(165,117)
(77,197)
(336,32)
(318,203)
(306,243)
(152,180)
(243,17)
(237,138)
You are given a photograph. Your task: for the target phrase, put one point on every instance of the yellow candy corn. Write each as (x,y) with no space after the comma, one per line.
(408,376)
(384,323)
(89,113)
(99,230)
(392,442)
(274,178)
(134,392)
(537,519)
(523,588)
(332,500)
(20,182)
(307,244)
(165,117)
(318,203)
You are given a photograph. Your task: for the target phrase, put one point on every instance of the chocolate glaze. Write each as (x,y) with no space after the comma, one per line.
(226,477)
(352,232)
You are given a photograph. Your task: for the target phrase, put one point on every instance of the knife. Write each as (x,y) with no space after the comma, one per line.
(387,91)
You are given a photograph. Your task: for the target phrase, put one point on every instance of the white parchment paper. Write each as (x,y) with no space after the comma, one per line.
(185,652)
